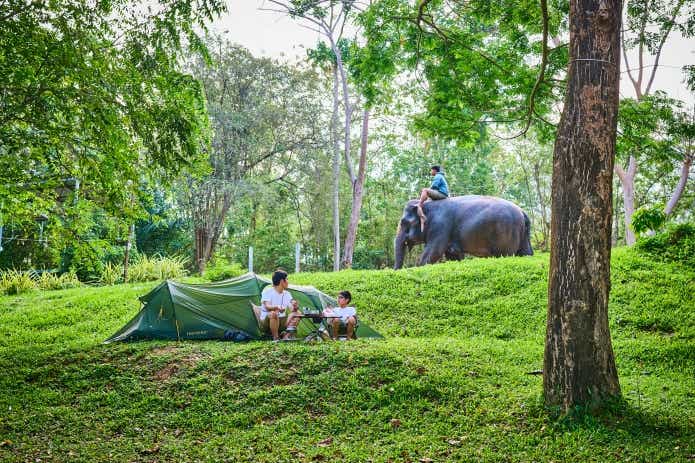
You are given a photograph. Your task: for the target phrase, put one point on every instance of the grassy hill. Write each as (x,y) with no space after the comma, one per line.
(449,383)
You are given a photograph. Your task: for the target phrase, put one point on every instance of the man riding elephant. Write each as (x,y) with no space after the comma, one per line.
(438,190)
(482,226)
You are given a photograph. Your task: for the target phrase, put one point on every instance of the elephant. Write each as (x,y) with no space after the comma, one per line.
(482,226)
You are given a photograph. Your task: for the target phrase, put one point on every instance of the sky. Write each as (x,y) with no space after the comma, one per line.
(275,35)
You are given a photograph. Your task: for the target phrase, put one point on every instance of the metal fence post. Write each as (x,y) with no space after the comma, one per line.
(296,258)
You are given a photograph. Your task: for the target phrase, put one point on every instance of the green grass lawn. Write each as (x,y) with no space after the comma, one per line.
(449,383)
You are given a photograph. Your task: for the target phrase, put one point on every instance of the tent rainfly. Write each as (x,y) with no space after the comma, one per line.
(222,310)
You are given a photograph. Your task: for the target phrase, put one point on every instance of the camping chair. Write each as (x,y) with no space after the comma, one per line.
(263,326)
(342,333)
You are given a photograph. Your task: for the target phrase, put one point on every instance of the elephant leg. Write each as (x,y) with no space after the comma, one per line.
(432,253)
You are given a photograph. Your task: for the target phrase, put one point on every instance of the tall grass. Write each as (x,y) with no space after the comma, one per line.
(48,281)
(20,281)
(111,274)
(157,268)
(16,282)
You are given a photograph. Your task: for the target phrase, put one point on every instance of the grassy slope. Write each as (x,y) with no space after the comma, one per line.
(449,383)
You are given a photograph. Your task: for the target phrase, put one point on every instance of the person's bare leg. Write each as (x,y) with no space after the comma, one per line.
(350,327)
(336,328)
(292,322)
(274,324)
(423,218)
(424,194)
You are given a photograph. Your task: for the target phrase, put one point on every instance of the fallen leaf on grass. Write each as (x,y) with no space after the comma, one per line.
(395,423)
(454,442)
(5,443)
(425,460)
(326,442)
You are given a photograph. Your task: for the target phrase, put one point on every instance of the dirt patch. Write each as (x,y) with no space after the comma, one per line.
(166,372)
(186,361)
(165,350)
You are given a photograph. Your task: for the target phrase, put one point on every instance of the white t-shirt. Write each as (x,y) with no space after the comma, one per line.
(344,312)
(274,298)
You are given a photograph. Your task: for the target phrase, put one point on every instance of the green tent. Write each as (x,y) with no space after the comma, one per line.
(221,310)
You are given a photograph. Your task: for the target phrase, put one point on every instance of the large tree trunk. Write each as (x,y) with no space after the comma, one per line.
(210,207)
(678,192)
(627,180)
(579,365)
(357,193)
(199,248)
(336,174)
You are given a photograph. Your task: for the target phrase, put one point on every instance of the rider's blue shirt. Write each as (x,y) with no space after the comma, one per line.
(439,184)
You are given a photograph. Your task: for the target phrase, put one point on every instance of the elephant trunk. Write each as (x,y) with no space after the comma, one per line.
(400,245)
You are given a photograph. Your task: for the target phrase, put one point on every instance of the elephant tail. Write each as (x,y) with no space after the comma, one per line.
(525,249)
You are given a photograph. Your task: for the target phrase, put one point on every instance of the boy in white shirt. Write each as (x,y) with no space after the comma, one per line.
(274,302)
(347,314)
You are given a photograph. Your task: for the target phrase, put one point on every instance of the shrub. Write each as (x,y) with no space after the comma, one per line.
(157,268)
(49,281)
(221,270)
(171,267)
(111,274)
(86,261)
(675,244)
(17,282)
(648,218)
(69,280)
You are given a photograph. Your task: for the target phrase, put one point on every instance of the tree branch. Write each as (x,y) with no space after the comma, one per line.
(661,45)
(627,64)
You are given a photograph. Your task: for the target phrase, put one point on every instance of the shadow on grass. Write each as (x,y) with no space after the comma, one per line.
(620,415)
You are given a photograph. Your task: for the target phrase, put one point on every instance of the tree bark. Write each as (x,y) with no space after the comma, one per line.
(544,214)
(627,179)
(210,206)
(336,174)
(357,193)
(678,192)
(616,218)
(579,365)
(348,108)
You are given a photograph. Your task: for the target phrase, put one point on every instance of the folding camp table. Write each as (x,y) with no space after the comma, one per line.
(320,332)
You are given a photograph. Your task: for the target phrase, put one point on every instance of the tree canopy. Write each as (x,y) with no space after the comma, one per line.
(94,93)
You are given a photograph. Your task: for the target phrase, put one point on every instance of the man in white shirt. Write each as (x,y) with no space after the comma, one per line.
(347,314)
(274,302)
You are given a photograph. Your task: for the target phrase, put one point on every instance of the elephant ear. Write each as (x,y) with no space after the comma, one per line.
(411,213)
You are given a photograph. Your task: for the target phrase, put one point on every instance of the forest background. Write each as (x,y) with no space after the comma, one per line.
(185,144)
